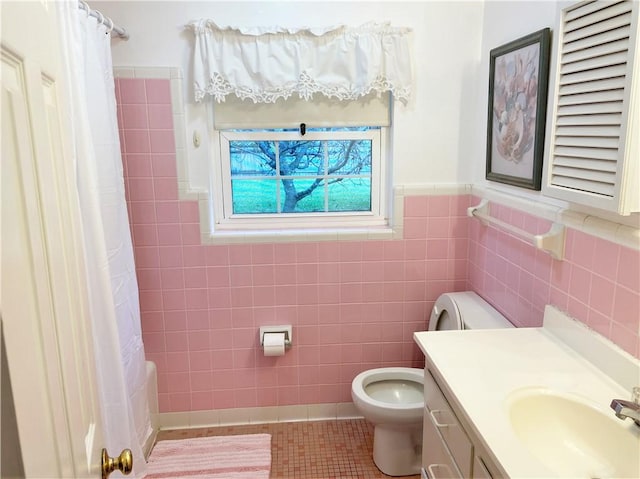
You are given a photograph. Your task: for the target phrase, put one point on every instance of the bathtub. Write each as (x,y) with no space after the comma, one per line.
(152,397)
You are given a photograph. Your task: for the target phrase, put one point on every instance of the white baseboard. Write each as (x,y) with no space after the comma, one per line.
(257,415)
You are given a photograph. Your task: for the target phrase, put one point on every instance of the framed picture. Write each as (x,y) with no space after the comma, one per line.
(518,82)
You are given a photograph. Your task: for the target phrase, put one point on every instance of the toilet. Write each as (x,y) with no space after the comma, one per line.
(392,399)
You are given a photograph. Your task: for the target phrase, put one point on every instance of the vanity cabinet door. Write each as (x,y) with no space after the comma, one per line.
(437,463)
(480,471)
(447,425)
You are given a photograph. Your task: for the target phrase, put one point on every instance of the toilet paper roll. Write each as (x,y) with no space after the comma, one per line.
(273,344)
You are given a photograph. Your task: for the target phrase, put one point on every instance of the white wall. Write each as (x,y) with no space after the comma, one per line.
(435,136)
(503,22)
(438,138)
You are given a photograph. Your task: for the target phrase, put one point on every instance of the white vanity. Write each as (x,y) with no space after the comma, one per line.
(527,402)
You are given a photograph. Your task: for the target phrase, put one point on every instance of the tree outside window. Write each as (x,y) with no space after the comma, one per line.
(300,176)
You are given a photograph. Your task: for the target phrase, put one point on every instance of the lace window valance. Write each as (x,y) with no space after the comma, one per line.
(266,64)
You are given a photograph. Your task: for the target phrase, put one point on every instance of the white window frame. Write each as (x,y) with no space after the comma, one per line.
(225,220)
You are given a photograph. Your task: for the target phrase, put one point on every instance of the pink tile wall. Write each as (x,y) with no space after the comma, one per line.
(597,283)
(354,305)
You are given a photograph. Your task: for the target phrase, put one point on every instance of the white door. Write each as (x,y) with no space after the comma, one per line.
(44,301)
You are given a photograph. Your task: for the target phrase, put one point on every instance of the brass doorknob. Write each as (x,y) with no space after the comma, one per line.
(123,463)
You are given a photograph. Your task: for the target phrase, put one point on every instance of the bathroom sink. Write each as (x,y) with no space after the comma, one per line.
(572,437)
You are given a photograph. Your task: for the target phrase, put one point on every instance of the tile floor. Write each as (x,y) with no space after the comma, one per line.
(308,450)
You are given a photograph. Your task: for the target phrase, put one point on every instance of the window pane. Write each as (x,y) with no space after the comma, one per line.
(253,196)
(349,157)
(279,173)
(252,158)
(293,189)
(301,157)
(350,194)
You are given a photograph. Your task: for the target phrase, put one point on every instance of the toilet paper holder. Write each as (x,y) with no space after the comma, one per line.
(286,330)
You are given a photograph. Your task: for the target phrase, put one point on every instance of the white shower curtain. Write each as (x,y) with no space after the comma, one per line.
(113,289)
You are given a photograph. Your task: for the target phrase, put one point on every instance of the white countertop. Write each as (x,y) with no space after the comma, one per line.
(480,368)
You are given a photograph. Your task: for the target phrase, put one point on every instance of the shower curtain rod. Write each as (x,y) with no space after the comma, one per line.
(106,21)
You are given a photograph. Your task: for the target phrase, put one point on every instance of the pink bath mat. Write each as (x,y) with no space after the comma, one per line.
(217,457)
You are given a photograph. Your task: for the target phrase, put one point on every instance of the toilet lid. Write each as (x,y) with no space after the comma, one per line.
(445,315)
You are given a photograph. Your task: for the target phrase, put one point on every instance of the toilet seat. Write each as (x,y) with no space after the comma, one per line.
(364,379)
(445,314)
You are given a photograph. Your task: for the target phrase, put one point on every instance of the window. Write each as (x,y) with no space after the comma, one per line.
(268,80)
(278,178)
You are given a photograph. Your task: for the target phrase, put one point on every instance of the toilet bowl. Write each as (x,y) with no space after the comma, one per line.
(393,398)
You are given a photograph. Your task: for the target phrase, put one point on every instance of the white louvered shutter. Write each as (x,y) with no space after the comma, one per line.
(594,153)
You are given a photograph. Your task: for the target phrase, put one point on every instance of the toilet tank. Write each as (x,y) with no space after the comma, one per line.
(476,313)
(473,311)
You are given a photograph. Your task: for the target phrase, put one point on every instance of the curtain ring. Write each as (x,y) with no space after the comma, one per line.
(111,27)
(86,7)
(101,19)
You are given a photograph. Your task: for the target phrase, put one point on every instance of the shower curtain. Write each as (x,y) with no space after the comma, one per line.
(108,252)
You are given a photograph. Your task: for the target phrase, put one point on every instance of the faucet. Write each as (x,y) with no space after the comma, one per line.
(631,409)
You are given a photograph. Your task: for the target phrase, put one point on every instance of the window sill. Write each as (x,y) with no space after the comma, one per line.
(295,235)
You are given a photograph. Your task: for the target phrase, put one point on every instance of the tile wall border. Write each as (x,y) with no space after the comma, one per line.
(619,233)
(174,75)
(210,236)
